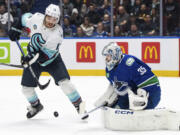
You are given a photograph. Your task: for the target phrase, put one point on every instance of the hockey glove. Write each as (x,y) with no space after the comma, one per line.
(139,101)
(109,97)
(15,30)
(29,60)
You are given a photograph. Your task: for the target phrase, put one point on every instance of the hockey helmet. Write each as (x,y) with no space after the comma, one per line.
(54,11)
(114,52)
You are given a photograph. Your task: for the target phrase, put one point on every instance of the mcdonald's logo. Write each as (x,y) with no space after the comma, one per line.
(124,46)
(85,52)
(151,52)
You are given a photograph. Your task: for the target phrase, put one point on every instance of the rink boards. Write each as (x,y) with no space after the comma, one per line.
(83,56)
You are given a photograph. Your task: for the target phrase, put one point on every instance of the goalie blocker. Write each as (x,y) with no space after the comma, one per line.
(153,119)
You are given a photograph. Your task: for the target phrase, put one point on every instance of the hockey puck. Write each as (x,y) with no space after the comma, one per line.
(56,114)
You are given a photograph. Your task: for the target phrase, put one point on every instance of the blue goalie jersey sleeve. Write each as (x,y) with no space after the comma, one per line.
(131,73)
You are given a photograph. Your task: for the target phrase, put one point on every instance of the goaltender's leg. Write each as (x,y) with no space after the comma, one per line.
(151,119)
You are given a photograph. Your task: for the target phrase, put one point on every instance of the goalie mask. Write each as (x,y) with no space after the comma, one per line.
(53,11)
(113,55)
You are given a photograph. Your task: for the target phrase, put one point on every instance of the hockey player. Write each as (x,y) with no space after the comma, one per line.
(46,37)
(132,83)
(133,93)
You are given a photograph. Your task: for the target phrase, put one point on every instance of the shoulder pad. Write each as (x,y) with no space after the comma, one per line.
(39,14)
(25,17)
(130,61)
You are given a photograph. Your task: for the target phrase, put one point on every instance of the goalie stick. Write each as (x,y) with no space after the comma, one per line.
(31,70)
(11,65)
(96,108)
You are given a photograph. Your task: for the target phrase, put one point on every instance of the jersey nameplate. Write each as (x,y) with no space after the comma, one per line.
(129,61)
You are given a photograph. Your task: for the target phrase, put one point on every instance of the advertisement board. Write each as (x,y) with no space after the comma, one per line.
(83,56)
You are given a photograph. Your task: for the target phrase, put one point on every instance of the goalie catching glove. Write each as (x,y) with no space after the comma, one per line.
(139,101)
(108,98)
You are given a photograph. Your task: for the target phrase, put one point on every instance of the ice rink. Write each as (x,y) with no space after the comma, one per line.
(13,108)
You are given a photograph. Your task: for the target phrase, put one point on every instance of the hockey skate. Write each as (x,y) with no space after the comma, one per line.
(33,110)
(81,110)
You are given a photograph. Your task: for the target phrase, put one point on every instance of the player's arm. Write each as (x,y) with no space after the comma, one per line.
(48,50)
(36,47)
(30,58)
(48,54)
(14,34)
(16,27)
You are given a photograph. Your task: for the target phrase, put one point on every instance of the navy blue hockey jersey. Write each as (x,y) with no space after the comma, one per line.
(133,73)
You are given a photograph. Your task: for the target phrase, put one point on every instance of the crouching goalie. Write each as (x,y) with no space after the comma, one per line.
(133,93)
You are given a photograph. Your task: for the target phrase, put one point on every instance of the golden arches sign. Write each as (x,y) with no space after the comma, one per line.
(151,50)
(86,49)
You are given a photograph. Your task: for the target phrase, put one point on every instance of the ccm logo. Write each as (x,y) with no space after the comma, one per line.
(123,112)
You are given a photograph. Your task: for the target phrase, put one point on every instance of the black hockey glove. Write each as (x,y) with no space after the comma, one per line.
(15,30)
(32,56)
(25,60)
(29,60)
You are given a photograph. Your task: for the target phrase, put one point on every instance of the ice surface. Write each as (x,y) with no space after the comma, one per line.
(13,108)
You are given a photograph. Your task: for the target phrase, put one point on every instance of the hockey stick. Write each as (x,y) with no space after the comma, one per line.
(11,65)
(96,108)
(31,70)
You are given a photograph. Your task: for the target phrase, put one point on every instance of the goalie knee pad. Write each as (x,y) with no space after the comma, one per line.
(71,92)
(30,95)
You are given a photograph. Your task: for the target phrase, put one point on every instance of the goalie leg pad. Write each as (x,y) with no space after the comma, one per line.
(30,94)
(128,120)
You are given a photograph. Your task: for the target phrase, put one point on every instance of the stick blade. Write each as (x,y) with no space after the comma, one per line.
(85,116)
(42,87)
